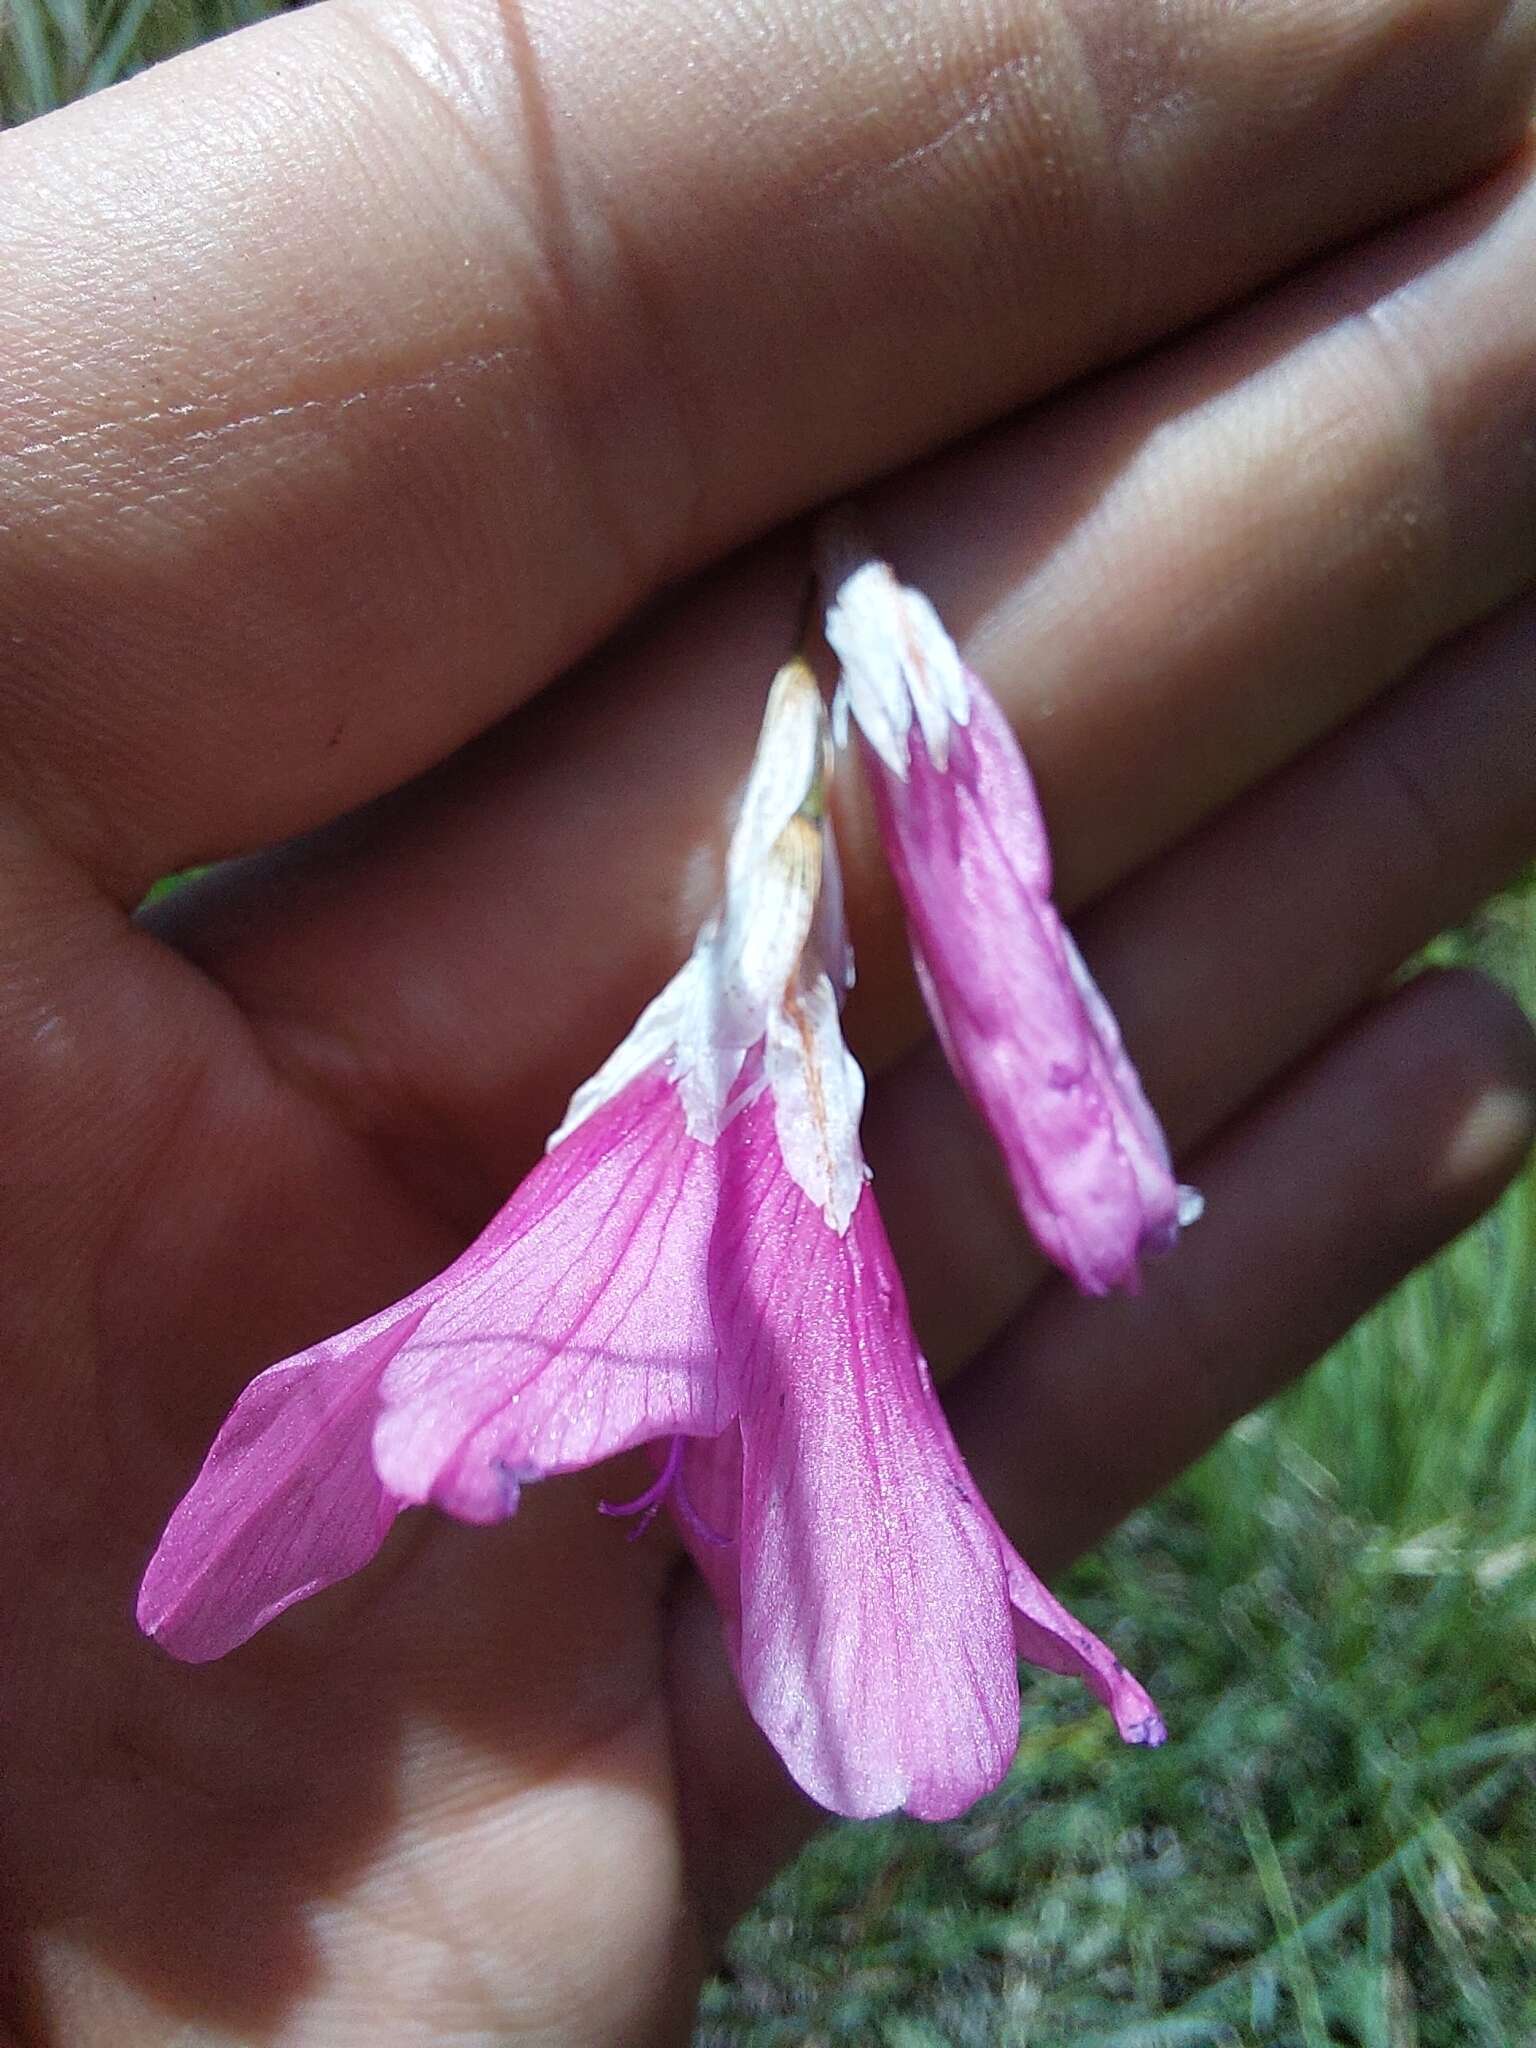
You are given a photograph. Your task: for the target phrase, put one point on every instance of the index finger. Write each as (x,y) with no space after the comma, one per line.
(358,373)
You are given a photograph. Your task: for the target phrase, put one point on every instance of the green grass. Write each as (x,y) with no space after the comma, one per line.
(1337,1607)
(56,50)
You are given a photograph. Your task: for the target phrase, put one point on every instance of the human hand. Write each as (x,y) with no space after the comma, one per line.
(362,374)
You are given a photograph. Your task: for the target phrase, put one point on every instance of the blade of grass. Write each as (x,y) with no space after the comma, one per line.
(27,29)
(1294,1962)
(113,56)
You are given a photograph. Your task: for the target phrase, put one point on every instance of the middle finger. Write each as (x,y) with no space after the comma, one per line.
(1250,539)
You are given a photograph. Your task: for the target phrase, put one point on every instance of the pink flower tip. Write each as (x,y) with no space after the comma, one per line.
(1150,1732)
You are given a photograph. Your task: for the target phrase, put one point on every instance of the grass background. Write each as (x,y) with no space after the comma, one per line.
(1338,1608)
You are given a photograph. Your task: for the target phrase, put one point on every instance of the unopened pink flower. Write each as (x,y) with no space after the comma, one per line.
(698,1264)
(1026,1030)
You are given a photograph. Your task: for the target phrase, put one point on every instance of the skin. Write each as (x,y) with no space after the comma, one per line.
(362,376)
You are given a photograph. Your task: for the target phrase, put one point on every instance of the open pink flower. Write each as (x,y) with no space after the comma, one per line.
(1026,1030)
(698,1264)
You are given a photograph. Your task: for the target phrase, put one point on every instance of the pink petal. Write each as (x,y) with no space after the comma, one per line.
(1045,1634)
(873,1607)
(1027,1032)
(287,1500)
(585,1328)
(873,1636)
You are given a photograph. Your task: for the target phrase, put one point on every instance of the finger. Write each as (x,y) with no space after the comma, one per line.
(392,355)
(1233,955)
(557,875)
(1382,1147)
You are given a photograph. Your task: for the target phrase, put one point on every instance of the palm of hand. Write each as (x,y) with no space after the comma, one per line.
(404,1801)
(480,1791)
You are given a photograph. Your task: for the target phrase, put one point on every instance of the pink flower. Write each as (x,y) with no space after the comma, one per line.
(574,1327)
(1027,1031)
(697,1264)
(874,1609)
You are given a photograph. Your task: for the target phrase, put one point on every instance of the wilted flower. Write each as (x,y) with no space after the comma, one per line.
(697,1264)
(1027,1031)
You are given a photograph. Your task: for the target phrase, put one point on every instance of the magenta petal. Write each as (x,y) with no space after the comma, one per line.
(287,1501)
(1046,1634)
(873,1637)
(1027,1032)
(583,1329)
